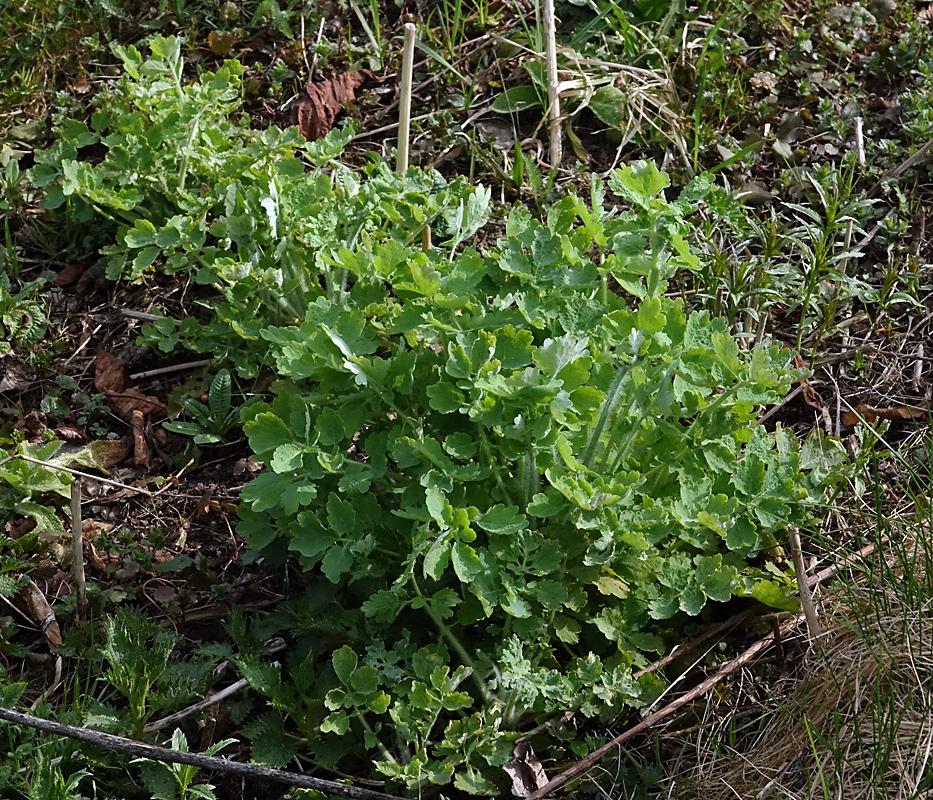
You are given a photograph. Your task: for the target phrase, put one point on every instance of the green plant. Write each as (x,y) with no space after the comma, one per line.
(213,421)
(23,484)
(137,652)
(202,193)
(22,317)
(511,479)
(173,781)
(48,782)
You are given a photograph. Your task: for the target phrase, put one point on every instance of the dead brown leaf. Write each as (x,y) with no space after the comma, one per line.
(871,414)
(322,101)
(525,770)
(810,395)
(38,608)
(140,447)
(69,275)
(164,593)
(81,84)
(71,433)
(20,527)
(14,375)
(110,378)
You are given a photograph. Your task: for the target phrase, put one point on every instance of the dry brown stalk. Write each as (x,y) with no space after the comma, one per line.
(165,755)
(650,721)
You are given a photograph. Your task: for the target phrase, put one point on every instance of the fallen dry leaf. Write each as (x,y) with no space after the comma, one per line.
(110,378)
(140,447)
(20,527)
(322,101)
(810,395)
(71,433)
(81,84)
(870,414)
(14,375)
(69,275)
(38,608)
(102,454)
(525,770)
(163,593)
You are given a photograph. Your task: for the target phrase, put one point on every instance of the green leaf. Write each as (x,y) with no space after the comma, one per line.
(218,397)
(639,182)
(287,457)
(607,103)
(337,722)
(383,606)
(773,594)
(365,680)
(502,519)
(445,397)
(266,432)
(344,661)
(340,515)
(338,561)
(465,561)
(437,559)
(517,98)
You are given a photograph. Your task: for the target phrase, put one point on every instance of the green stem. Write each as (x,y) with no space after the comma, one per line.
(613,395)
(379,745)
(493,465)
(454,642)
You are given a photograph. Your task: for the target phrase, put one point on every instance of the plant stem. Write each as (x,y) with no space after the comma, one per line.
(404,112)
(77,545)
(454,642)
(553,86)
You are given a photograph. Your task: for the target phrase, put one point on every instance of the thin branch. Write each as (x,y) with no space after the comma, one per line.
(150,373)
(553,83)
(698,691)
(50,465)
(164,754)
(650,721)
(207,702)
(404,113)
(77,548)
(806,600)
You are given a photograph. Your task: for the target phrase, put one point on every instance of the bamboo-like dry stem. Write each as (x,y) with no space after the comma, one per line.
(404,111)
(806,599)
(77,548)
(553,87)
(151,373)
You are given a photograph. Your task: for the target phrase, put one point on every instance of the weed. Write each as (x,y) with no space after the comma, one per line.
(213,421)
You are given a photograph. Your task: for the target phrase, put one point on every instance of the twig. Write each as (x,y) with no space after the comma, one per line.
(806,600)
(404,112)
(87,475)
(77,548)
(207,702)
(648,722)
(151,373)
(553,84)
(163,754)
(145,316)
(689,647)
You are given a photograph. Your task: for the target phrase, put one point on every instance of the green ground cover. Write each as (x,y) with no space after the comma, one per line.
(431,466)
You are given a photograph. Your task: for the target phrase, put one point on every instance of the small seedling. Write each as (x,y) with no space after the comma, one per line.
(171,781)
(213,421)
